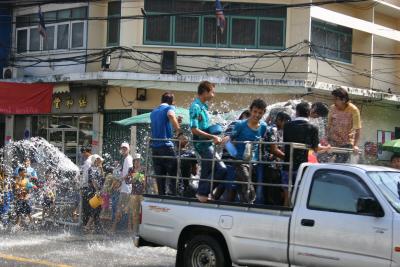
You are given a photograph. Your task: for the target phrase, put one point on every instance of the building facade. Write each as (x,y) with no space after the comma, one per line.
(5,45)
(277,50)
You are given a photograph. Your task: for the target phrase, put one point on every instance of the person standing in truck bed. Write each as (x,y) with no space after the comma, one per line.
(199,124)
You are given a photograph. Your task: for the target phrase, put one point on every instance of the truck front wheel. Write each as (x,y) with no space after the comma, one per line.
(204,251)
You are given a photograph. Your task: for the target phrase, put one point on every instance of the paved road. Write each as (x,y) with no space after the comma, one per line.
(65,248)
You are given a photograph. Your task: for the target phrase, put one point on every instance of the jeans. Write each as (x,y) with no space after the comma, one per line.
(244,173)
(114,204)
(206,171)
(86,194)
(260,174)
(165,166)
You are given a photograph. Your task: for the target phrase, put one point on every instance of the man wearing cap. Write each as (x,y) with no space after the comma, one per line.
(125,189)
(163,119)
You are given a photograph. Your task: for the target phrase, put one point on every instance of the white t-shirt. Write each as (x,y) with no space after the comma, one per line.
(84,171)
(128,163)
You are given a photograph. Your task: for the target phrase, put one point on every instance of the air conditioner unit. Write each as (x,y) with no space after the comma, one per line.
(10,72)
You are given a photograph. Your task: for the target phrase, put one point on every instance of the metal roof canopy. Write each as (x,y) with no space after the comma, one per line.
(189,83)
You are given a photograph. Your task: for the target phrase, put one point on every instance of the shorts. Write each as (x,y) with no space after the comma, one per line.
(134,204)
(22,207)
(123,202)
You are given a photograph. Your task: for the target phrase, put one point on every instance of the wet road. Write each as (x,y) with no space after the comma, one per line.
(66,248)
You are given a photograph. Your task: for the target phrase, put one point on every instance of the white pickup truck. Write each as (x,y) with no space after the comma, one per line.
(340,215)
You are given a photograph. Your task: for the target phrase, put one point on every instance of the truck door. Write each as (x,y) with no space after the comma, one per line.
(328,230)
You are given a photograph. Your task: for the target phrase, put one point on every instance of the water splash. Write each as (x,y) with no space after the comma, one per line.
(48,161)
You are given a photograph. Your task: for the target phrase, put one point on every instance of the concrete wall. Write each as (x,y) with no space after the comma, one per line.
(386,72)
(97,31)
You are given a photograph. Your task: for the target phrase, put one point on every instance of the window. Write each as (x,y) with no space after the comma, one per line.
(259,28)
(331,41)
(114,15)
(158,29)
(77,34)
(49,43)
(62,36)
(187,30)
(22,40)
(336,191)
(62,32)
(244,32)
(270,33)
(34,39)
(210,34)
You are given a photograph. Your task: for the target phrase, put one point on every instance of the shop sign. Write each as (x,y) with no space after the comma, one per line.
(76,101)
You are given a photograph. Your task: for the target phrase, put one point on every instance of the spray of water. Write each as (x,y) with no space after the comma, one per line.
(53,168)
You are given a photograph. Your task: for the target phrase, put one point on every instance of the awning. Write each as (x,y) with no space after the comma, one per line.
(25,98)
(393,146)
(145,118)
(60,88)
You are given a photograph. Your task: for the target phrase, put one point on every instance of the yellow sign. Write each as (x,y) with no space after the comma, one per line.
(57,102)
(69,102)
(82,102)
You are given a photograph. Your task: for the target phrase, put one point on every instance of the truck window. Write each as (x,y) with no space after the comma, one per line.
(336,191)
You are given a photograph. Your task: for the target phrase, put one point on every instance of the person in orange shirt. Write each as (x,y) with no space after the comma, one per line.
(344,124)
(22,186)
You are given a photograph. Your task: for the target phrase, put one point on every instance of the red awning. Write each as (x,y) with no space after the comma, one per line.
(25,98)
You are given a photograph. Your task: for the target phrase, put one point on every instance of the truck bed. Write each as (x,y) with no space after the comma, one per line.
(265,228)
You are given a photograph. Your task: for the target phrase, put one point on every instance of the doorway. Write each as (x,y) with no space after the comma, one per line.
(66,140)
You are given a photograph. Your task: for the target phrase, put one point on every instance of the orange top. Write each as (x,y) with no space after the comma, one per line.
(342,125)
(20,188)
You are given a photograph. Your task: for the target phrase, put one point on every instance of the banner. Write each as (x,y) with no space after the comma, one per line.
(382,137)
(25,98)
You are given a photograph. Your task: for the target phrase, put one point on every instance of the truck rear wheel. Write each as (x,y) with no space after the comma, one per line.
(205,251)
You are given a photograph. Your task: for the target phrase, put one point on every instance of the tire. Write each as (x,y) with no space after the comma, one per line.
(205,251)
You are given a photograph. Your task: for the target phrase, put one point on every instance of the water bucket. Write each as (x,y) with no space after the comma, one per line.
(215,129)
(231,149)
(95,201)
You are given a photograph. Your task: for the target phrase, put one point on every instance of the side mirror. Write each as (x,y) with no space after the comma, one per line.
(369,206)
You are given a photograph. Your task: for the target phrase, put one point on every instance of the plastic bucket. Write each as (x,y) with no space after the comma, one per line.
(95,201)
(231,149)
(214,129)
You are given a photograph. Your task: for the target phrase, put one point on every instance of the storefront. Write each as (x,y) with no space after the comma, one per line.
(74,122)
(2,129)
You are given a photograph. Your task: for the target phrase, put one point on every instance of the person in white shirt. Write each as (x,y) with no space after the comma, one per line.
(85,192)
(125,189)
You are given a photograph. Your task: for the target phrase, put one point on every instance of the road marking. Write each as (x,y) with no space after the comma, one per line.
(28,260)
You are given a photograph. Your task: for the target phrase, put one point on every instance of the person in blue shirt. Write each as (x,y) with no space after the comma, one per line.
(251,129)
(31,173)
(231,188)
(199,124)
(163,120)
